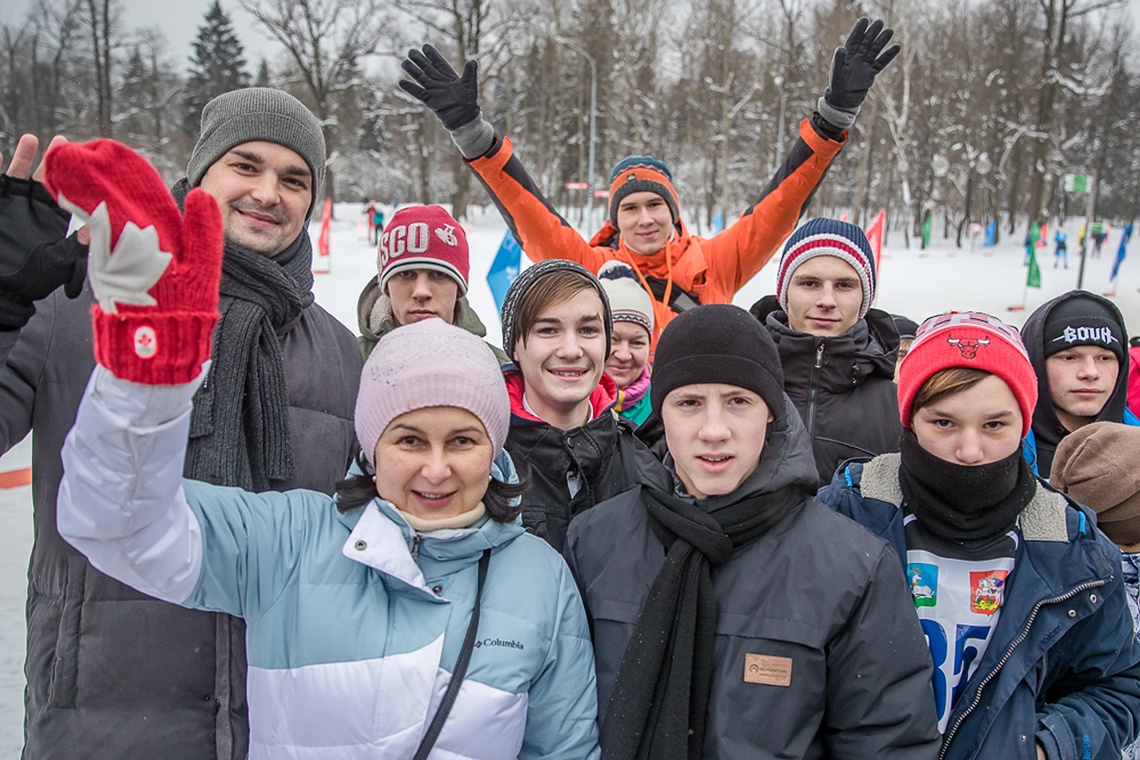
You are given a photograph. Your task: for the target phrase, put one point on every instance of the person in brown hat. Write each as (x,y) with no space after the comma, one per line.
(1096,466)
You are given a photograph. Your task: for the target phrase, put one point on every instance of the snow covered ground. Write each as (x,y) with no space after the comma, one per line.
(911,282)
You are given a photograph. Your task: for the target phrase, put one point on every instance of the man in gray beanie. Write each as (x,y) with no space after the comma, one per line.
(261,154)
(112,673)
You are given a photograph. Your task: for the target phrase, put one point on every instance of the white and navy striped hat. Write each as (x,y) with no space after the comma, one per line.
(828,237)
(629,301)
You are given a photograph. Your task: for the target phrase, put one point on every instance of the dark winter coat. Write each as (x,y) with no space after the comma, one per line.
(1062,666)
(843,387)
(113,673)
(816,590)
(604,451)
(1047,430)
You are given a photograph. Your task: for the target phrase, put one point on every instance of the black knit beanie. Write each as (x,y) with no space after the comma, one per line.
(1084,320)
(530,276)
(718,343)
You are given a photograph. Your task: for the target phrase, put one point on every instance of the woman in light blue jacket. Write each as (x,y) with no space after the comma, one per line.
(362,608)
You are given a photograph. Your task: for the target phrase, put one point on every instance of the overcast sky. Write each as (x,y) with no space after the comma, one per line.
(179,21)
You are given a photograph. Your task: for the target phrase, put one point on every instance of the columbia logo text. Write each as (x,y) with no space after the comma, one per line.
(499,643)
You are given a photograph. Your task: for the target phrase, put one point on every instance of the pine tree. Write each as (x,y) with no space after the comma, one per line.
(217,65)
(263,79)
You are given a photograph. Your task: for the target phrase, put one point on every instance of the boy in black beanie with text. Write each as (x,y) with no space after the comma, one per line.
(1078,345)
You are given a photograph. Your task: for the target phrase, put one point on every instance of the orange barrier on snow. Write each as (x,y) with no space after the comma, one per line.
(16,478)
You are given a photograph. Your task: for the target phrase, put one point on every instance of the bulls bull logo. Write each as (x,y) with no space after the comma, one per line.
(968,347)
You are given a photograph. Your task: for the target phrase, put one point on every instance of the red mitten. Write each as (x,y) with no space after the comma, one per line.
(154,271)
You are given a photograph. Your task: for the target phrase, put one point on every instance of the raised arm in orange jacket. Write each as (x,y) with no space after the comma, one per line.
(709,270)
(686,270)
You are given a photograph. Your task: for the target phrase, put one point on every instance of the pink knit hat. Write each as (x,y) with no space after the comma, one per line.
(972,340)
(430,363)
(423,237)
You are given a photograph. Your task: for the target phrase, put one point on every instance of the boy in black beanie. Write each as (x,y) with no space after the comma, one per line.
(734,616)
(1078,345)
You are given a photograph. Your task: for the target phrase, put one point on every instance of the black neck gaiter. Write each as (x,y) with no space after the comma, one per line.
(959,502)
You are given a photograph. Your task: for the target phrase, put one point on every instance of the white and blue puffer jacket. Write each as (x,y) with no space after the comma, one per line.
(354,622)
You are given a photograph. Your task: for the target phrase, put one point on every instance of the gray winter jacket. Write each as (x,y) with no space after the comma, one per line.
(816,595)
(111,672)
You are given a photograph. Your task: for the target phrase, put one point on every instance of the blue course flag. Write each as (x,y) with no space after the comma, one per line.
(718,223)
(991,234)
(504,269)
(1121,252)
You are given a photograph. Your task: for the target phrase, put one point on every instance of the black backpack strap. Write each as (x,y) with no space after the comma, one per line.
(460,670)
(680,300)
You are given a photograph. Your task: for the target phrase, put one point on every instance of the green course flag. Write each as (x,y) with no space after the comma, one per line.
(1034,279)
(1034,233)
(926,227)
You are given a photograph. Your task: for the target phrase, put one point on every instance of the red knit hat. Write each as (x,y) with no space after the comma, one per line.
(423,237)
(972,340)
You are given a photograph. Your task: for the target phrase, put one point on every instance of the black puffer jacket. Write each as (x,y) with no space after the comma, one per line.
(843,387)
(604,454)
(817,594)
(113,673)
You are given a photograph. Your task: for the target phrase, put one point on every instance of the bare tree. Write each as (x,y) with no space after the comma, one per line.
(325,42)
(100,24)
(462,30)
(1057,58)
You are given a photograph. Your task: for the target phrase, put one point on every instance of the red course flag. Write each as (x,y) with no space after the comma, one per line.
(322,264)
(875,237)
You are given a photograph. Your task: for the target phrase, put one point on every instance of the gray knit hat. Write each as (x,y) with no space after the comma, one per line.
(530,276)
(258,113)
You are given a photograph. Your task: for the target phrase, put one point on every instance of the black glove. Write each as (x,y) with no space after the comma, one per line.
(35,257)
(855,64)
(453,98)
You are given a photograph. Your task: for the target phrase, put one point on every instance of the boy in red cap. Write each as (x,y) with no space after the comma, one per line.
(1020,597)
(422,265)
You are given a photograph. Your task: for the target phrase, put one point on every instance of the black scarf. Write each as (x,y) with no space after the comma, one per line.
(659,705)
(959,502)
(239,429)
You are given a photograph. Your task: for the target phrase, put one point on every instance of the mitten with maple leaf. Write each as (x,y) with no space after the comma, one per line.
(155,271)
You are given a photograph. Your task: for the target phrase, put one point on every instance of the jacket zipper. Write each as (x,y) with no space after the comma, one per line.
(415,546)
(814,392)
(1009,653)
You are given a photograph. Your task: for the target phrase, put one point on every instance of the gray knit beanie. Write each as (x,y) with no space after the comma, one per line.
(258,113)
(530,276)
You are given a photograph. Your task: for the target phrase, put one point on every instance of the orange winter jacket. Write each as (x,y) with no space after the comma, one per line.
(709,269)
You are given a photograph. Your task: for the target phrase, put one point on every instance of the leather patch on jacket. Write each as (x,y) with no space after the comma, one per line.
(766,669)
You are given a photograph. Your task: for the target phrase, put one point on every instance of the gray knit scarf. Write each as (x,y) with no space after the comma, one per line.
(239,429)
